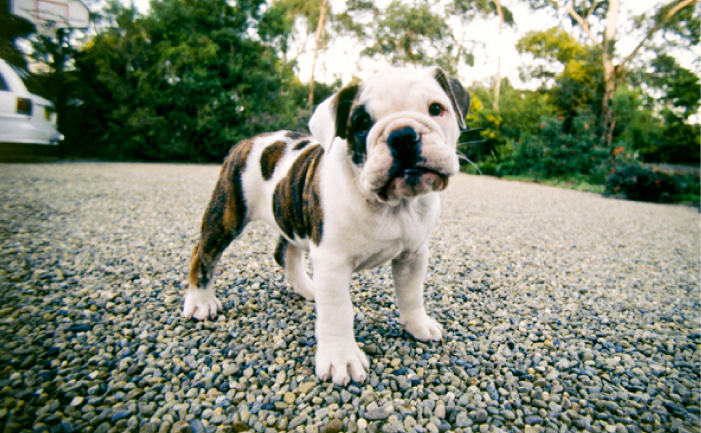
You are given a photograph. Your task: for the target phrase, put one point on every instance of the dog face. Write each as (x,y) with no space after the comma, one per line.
(400,127)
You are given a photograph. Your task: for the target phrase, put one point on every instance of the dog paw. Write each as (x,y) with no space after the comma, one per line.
(305,290)
(301,284)
(341,364)
(423,328)
(201,304)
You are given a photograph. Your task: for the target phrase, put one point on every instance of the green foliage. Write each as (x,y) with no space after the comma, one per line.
(402,32)
(472,8)
(528,139)
(12,28)
(667,139)
(493,137)
(680,87)
(405,34)
(483,141)
(637,182)
(681,144)
(184,83)
(683,29)
(555,152)
(577,84)
(637,128)
(553,44)
(193,77)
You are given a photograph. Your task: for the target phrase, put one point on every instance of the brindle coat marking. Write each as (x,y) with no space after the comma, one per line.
(344,123)
(270,157)
(281,251)
(224,218)
(297,200)
(301,145)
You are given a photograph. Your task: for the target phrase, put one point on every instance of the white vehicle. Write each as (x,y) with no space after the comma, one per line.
(25,117)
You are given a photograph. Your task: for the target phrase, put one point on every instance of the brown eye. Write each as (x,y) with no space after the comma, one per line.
(362,122)
(435,109)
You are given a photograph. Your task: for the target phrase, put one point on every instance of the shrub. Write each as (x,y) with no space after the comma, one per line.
(556,153)
(638,182)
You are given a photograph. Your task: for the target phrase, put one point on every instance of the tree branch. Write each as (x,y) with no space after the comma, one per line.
(591,9)
(585,25)
(569,7)
(681,5)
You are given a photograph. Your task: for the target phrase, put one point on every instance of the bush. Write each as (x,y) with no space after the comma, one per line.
(556,153)
(638,182)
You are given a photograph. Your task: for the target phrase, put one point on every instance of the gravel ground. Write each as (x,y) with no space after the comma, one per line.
(564,312)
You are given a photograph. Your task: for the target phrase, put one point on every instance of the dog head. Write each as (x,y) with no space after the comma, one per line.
(401,129)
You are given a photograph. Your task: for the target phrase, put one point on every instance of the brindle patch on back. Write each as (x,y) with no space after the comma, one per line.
(297,198)
(270,157)
(301,145)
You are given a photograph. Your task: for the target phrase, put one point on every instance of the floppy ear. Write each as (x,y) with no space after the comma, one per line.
(331,116)
(457,94)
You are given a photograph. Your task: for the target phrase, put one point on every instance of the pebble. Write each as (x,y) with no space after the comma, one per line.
(562,311)
(335,426)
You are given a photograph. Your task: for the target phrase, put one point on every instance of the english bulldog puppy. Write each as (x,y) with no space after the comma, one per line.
(361,191)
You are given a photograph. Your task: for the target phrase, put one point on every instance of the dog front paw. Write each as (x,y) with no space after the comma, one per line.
(423,328)
(304,289)
(341,363)
(201,304)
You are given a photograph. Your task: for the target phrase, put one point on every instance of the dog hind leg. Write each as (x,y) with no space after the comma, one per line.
(200,299)
(291,259)
(223,221)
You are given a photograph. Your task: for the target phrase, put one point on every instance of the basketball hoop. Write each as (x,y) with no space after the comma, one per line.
(51,15)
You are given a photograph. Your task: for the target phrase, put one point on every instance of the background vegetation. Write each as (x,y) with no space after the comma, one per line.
(192,77)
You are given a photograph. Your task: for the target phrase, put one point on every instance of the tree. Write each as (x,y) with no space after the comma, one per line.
(679,88)
(284,15)
(404,34)
(675,17)
(467,10)
(676,97)
(12,28)
(567,69)
(185,82)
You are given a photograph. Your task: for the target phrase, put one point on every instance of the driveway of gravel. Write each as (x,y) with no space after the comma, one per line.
(564,312)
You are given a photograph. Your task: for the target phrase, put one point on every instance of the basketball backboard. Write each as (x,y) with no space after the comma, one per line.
(49,15)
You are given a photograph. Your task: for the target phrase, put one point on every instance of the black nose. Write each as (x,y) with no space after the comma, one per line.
(405,139)
(405,147)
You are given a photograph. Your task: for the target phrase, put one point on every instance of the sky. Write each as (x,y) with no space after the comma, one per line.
(342,58)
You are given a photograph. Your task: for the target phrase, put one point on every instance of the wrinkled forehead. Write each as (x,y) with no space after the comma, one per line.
(398,90)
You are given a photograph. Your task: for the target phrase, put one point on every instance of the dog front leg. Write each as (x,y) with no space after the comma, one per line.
(338,356)
(408,272)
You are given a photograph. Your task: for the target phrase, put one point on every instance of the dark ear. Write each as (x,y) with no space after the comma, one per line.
(457,94)
(342,104)
(331,116)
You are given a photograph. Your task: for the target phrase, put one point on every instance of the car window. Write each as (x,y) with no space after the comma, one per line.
(30,82)
(3,84)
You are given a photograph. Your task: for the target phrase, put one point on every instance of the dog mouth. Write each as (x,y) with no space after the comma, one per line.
(412,181)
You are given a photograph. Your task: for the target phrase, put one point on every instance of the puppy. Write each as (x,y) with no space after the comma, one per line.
(360,192)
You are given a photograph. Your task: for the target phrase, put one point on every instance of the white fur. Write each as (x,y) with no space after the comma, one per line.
(359,229)
(201,303)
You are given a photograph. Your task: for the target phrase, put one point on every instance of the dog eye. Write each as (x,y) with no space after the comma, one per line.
(363,123)
(435,109)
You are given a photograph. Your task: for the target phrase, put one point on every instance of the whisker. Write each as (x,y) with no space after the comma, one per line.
(462,131)
(465,158)
(471,142)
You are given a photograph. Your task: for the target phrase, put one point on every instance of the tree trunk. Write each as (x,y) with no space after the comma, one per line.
(497,84)
(608,117)
(612,74)
(319,34)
